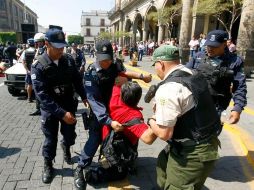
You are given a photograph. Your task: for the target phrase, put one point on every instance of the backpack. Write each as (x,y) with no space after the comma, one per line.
(116,149)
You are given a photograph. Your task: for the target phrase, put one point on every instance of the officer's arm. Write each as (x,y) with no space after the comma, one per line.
(78,84)
(163,132)
(94,98)
(239,86)
(42,94)
(135,75)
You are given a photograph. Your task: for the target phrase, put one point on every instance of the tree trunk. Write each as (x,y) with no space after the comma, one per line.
(245,39)
(185,30)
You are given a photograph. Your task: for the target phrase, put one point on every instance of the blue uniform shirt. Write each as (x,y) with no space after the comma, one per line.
(40,87)
(239,88)
(98,86)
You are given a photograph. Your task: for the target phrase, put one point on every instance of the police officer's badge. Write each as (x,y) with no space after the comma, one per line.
(212,39)
(60,36)
(104,48)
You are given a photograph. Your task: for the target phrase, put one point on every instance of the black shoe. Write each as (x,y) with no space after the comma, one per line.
(66,153)
(37,112)
(79,180)
(47,175)
(30,100)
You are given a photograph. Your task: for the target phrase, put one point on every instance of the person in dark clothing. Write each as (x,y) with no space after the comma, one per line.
(99,80)
(227,69)
(55,78)
(10,52)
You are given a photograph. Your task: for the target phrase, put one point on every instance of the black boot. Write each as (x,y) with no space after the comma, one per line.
(66,153)
(79,180)
(37,112)
(47,174)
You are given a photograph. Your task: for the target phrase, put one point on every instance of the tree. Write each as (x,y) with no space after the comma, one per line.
(8,36)
(217,9)
(167,15)
(116,35)
(75,39)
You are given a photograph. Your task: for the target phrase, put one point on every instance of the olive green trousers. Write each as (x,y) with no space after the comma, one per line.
(186,168)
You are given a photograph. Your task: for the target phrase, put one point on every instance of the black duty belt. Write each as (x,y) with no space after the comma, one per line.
(190,142)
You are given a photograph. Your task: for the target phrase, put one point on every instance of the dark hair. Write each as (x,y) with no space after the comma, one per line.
(131,93)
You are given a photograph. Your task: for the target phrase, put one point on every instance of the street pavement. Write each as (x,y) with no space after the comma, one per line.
(21,142)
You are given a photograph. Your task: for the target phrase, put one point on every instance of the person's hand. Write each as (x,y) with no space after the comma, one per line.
(147,78)
(119,81)
(85,102)
(69,118)
(82,69)
(234,117)
(116,126)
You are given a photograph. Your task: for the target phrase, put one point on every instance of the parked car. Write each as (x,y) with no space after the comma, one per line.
(15,78)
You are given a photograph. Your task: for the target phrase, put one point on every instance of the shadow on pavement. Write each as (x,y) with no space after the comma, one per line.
(64,172)
(4,152)
(232,169)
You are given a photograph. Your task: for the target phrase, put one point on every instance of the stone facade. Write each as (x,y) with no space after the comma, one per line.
(92,24)
(12,15)
(132,16)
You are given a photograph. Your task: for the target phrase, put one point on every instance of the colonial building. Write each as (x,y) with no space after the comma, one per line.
(133,16)
(92,24)
(16,17)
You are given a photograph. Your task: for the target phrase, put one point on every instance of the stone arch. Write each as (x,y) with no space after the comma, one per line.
(152,26)
(128,28)
(172,31)
(137,27)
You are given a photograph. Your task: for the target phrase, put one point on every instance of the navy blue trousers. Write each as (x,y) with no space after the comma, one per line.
(50,127)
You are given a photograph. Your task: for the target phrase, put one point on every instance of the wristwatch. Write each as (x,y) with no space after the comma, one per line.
(148,120)
(141,76)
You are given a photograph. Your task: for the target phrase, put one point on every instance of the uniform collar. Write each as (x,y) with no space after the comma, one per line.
(46,57)
(180,66)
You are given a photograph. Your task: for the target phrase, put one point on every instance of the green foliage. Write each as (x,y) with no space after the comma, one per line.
(75,39)
(8,36)
(217,8)
(110,36)
(166,15)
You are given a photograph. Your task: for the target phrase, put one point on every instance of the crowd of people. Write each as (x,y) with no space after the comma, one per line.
(187,118)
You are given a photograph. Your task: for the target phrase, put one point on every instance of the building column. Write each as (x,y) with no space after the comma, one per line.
(185,29)
(160,34)
(198,21)
(121,30)
(245,38)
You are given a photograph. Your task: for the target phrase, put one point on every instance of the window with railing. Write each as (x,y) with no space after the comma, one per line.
(15,10)
(102,30)
(88,21)
(2,5)
(102,22)
(88,32)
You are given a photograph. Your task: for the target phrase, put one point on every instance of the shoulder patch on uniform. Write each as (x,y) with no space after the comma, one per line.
(33,76)
(88,83)
(35,62)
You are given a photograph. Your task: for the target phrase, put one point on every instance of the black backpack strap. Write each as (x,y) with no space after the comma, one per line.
(132,122)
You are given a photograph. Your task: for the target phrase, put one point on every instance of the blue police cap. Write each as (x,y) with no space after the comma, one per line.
(56,38)
(216,37)
(104,50)
(30,41)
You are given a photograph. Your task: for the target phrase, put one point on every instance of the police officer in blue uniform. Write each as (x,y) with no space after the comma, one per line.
(99,80)
(79,57)
(55,78)
(39,39)
(224,72)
